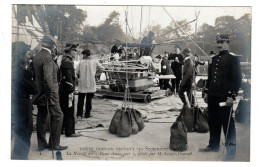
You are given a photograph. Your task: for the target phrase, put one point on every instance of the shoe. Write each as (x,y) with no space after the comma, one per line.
(43,148)
(59,148)
(79,117)
(89,116)
(209,149)
(74,135)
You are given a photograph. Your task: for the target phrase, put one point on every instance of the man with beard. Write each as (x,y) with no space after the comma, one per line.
(224,80)
(47,98)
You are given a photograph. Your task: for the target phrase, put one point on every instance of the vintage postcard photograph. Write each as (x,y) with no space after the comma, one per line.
(130,82)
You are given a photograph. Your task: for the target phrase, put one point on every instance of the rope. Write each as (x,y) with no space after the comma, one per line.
(184,32)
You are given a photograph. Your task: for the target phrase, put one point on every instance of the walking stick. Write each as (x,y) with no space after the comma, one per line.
(50,128)
(227,128)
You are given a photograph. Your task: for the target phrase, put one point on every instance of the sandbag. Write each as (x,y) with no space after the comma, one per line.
(124,128)
(242,113)
(188,118)
(178,139)
(201,83)
(139,119)
(135,129)
(115,122)
(201,121)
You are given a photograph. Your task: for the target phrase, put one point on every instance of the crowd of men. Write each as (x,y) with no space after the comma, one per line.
(52,85)
(222,85)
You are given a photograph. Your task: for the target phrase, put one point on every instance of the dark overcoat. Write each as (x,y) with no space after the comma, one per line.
(46,75)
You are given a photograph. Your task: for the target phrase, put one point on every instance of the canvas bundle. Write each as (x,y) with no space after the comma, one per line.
(201,83)
(178,139)
(188,116)
(126,122)
(201,121)
(242,113)
(195,119)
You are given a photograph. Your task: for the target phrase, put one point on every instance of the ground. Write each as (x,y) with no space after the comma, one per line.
(152,143)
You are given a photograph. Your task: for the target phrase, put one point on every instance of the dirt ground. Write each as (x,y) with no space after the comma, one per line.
(152,143)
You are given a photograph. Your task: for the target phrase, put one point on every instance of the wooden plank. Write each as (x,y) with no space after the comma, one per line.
(163,77)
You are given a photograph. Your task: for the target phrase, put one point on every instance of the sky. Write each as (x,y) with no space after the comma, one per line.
(153,15)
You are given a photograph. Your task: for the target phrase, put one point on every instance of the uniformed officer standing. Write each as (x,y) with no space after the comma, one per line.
(224,79)
(67,86)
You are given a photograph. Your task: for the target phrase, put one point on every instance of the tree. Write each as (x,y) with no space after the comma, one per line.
(239,31)
(62,21)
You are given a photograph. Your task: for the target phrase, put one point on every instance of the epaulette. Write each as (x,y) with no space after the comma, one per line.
(210,59)
(233,54)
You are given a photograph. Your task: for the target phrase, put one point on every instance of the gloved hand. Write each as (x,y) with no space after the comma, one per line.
(229,101)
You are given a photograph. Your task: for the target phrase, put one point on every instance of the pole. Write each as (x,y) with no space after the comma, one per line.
(228,127)
(50,128)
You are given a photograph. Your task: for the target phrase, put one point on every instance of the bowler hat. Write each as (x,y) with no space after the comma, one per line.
(186,51)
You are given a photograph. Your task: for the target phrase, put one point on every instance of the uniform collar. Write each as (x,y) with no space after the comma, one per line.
(223,52)
(47,49)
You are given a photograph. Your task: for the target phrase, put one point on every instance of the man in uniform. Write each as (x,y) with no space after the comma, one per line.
(47,98)
(67,86)
(224,79)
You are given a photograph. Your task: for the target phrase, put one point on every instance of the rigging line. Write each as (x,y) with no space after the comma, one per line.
(184,31)
(176,28)
(129,27)
(149,18)
(141,20)
(132,19)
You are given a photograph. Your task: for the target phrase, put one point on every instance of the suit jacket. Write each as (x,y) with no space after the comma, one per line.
(165,67)
(188,71)
(176,66)
(46,76)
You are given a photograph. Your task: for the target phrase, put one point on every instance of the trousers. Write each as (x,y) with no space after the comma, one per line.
(88,104)
(218,118)
(22,130)
(186,88)
(68,112)
(175,84)
(56,120)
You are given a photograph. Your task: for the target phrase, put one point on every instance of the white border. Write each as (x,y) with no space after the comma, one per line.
(5,84)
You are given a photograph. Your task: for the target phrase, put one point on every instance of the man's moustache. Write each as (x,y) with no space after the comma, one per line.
(219,47)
